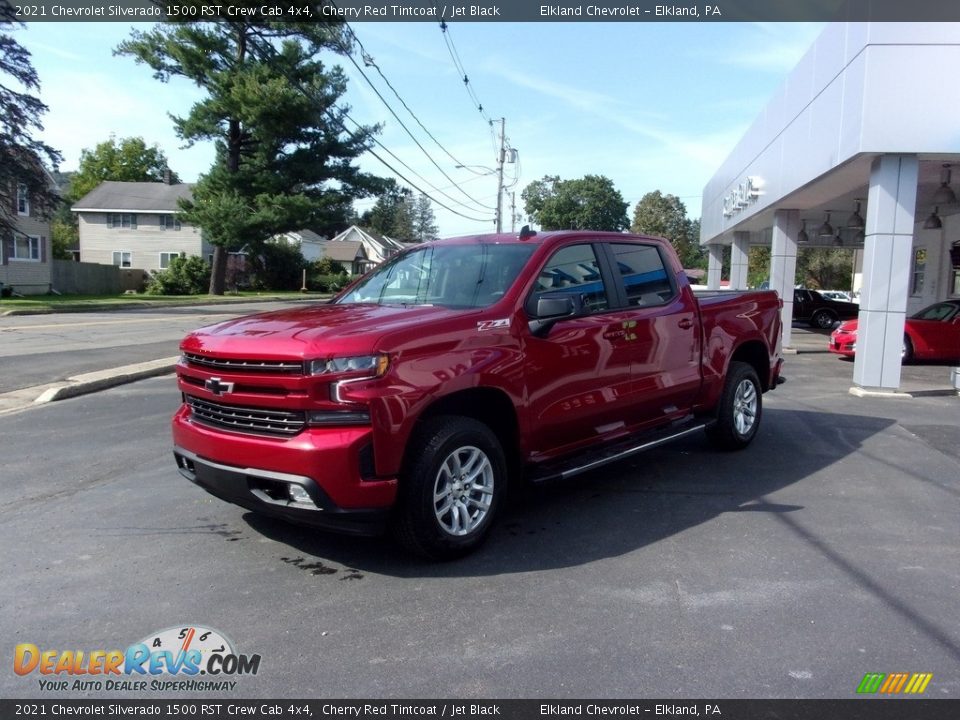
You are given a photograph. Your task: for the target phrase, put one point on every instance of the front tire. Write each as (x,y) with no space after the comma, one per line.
(823,319)
(741,405)
(906,352)
(451,489)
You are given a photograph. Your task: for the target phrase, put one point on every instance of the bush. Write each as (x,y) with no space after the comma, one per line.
(185,276)
(278,266)
(328,282)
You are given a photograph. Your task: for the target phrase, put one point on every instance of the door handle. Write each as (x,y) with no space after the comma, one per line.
(685,324)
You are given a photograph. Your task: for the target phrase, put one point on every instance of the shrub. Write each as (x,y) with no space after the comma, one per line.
(278,266)
(185,276)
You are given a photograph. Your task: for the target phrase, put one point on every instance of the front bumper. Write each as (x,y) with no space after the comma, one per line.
(843,344)
(339,491)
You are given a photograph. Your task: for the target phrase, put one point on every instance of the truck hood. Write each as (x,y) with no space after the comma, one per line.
(314,331)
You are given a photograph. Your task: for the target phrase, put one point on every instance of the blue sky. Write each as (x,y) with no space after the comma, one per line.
(653,106)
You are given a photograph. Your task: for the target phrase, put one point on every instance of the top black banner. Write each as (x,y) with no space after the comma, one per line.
(480,11)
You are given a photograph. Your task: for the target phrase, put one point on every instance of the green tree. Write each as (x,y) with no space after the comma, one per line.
(424,221)
(125,160)
(589,203)
(825,268)
(283,151)
(22,156)
(392,214)
(666,216)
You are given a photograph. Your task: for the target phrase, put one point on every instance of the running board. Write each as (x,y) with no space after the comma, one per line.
(633,446)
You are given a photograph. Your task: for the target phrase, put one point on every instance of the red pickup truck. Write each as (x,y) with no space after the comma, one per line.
(418,394)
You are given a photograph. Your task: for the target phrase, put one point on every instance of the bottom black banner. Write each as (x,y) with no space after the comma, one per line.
(856,709)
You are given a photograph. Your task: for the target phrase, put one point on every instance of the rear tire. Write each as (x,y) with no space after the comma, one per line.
(740,408)
(450,490)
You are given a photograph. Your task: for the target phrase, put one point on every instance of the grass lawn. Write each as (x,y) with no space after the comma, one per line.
(67,303)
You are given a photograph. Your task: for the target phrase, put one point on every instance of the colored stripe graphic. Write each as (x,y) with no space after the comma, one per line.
(894,683)
(871,682)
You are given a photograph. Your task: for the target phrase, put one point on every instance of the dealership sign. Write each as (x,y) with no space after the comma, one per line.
(742,196)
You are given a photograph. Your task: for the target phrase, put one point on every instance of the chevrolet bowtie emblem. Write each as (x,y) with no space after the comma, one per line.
(217,386)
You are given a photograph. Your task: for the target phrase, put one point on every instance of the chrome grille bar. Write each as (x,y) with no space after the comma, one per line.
(256,421)
(287,367)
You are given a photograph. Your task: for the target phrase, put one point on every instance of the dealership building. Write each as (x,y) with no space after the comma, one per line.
(859,148)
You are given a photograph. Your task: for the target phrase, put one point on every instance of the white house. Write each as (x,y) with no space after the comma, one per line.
(134,225)
(25,260)
(377,248)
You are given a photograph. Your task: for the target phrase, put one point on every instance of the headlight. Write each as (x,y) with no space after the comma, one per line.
(361,365)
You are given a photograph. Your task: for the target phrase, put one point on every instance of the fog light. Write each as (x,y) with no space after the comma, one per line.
(299,495)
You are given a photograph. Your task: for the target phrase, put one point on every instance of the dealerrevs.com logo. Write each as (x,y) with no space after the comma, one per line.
(171,659)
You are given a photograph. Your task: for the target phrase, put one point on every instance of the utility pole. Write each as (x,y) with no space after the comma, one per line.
(500,160)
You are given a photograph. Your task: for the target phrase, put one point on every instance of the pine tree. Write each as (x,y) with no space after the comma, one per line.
(284,152)
(22,156)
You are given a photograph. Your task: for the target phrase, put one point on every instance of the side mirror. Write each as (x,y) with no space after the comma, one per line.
(555,306)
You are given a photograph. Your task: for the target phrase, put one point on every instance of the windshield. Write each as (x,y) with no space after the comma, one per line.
(456,276)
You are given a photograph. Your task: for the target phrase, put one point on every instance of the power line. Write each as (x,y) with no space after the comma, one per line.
(461,71)
(369,61)
(296,84)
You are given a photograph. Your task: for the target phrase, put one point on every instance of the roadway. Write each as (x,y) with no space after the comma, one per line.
(826,550)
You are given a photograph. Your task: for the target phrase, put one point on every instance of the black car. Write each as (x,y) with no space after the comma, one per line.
(811,307)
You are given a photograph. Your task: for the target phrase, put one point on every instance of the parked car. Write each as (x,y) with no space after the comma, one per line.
(457,367)
(811,307)
(931,334)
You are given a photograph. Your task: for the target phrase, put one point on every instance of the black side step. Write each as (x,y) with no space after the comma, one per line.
(633,445)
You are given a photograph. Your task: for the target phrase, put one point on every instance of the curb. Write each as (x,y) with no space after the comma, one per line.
(103,379)
(83,384)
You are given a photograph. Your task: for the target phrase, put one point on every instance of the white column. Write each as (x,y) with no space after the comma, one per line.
(886,272)
(714,266)
(739,256)
(783,265)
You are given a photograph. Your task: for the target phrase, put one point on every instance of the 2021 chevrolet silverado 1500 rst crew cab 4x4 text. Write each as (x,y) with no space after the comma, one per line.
(418,393)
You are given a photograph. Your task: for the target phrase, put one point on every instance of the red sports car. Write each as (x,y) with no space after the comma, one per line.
(931,334)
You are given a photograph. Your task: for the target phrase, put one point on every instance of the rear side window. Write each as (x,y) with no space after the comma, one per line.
(645,277)
(573,269)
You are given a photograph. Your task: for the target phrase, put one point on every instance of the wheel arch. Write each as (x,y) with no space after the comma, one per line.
(755,354)
(487,405)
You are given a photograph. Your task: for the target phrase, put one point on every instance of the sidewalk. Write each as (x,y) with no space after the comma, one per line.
(140,302)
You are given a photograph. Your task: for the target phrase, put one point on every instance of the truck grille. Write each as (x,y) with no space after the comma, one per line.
(256,421)
(286,367)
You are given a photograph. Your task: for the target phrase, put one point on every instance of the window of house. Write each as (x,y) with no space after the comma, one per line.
(645,278)
(122,220)
(26,247)
(166,257)
(123,258)
(23,200)
(919,271)
(169,222)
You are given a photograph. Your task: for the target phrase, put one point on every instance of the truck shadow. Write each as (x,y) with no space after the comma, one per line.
(621,508)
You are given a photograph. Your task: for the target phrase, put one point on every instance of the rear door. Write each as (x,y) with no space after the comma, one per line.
(665,332)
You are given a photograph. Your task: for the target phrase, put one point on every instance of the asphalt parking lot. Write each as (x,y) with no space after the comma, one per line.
(828,549)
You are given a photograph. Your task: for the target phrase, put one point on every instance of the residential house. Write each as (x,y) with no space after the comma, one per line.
(349,253)
(310,243)
(25,257)
(356,249)
(134,225)
(377,248)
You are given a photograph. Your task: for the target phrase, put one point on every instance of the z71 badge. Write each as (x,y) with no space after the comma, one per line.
(493,324)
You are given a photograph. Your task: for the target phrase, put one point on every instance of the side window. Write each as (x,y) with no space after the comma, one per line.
(573,269)
(645,277)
